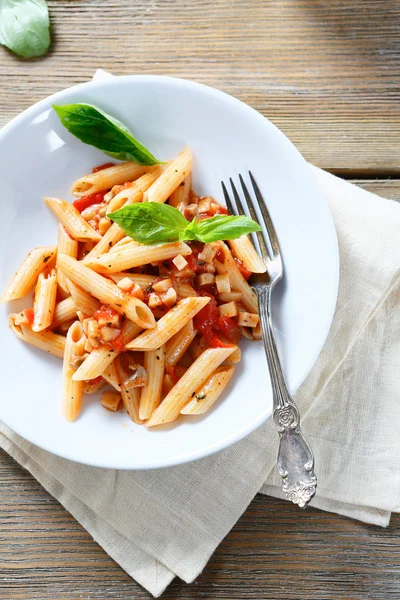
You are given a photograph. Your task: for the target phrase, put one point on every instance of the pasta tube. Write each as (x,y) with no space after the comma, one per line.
(107,178)
(27,274)
(136,255)
(45,300)
(82,299)
(66,245)
(209,392)
(244,250)
(169,324)
(173,175)
(50,342)
(131,396)
(196,375)
(107,292)
(179,343)
(64,311)
(151,393)
(134,193)
(101,358)
(72,220)
(238,282)
(72,390)
(180,197)
(115,233)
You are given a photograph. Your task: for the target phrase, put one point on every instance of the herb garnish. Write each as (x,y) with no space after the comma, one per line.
(24,27)
(154,223)
(95,127)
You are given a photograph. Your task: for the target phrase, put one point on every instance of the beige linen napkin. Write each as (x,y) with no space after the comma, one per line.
(161,523)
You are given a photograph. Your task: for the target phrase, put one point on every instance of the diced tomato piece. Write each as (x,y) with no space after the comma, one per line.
(118,343)
(29,314)
(206,320)
(101,167)
(245,272)
(105,312)
(220,256)
(229,327)
(87,201)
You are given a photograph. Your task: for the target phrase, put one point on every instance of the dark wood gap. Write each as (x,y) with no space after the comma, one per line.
(368,173)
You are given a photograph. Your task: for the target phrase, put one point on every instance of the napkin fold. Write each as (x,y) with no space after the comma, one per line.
(166,522)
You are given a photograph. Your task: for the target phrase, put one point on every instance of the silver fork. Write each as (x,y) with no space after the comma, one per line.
(295,459)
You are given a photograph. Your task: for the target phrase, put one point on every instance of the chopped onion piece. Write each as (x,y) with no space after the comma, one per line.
(139,377)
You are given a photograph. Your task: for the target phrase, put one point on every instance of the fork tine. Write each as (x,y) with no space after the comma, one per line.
(253,214)
(237,198)
(228,201)
(273,238)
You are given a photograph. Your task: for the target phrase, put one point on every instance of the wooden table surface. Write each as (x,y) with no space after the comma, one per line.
(326,73)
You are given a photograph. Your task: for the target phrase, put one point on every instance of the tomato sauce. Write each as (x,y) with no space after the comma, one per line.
(245,272)
(87,201)
(29,314)
(118,343)
(209,322)
(105,312)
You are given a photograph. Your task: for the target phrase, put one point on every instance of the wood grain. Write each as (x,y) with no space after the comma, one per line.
(325,72)
(275,551)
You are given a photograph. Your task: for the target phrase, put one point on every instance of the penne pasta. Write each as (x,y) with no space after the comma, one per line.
(154,362)
(101,358)
(172,176)
(209,392)
(107,178)
(107,292)
(115,233)
(72,390)
(195,377)
(179,343)
(136,255)
(93,386)
(134,193)
(45,300)
(50,342)
(180,197)
(169,324)
(72,220)
(133,314)
(124,242)
(238,282)
(185,290)
(244,250)
(27,274)
(144,281)
(66,245)
(83,301)
(64,311)
(130,397)
(96,363)
(111,375)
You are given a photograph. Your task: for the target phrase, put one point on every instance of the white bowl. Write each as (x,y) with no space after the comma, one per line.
(39,157)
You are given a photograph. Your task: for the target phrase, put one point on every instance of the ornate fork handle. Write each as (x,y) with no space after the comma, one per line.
(295,459)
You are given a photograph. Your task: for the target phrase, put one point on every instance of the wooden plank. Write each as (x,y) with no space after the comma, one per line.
(274,552)
(325,72)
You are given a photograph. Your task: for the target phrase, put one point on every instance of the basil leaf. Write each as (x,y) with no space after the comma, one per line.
(150,222)
(153,223)
(24,27)
(222,227)
(96,128)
